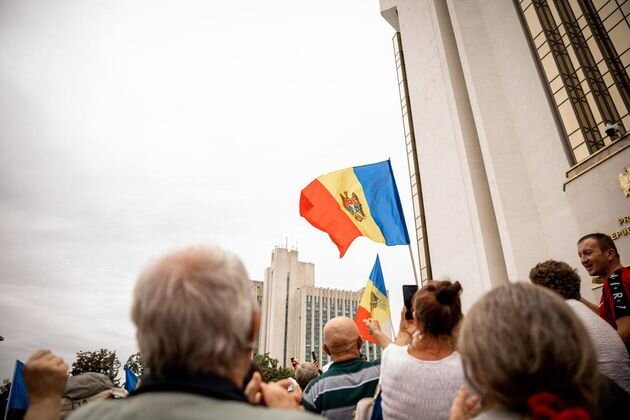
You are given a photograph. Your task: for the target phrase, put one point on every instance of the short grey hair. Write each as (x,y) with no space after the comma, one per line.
(193,311)
(520,339)
(304,373)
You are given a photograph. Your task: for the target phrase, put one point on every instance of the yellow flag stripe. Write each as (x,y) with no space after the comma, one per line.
(345,181)
(381,312)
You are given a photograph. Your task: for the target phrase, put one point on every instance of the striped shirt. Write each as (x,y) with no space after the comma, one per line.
(335,393)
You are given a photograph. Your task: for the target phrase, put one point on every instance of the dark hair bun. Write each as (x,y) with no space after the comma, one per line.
(446,295)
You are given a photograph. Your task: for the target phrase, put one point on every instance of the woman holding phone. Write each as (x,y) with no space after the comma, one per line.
(420,378)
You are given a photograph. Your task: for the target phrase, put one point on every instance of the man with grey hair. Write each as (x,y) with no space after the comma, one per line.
(304,373)
(335,393)
(196,321)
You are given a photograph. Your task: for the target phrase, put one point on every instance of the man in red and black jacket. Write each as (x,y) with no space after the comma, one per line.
(599,256)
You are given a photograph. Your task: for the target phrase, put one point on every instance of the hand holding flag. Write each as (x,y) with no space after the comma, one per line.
(45,376)
(374,304)
(37,386)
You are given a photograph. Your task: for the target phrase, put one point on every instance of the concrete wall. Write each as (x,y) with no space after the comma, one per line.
(598,203)
(462,230)
(522,148)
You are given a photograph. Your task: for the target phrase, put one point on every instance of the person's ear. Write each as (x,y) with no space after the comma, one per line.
(254,327)
(326,350)
(359,343)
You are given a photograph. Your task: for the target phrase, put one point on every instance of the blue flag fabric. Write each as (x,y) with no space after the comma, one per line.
(131,380)
(18,397)
(377,277)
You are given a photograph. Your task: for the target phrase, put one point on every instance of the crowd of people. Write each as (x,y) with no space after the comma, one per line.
(535,350)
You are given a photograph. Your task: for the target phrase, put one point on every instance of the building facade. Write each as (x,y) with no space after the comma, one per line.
(516,119)
(257,290)
(294,311)
(315,306)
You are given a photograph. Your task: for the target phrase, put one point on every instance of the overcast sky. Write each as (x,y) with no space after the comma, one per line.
(129,128)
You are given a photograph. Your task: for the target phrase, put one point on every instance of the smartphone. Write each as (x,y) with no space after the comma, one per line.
(408,291)
(314,356)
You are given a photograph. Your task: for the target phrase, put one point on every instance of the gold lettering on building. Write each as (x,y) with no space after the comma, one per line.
(624,231)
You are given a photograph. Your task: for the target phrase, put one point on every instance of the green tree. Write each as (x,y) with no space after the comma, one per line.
(101,361)
(134,363)
(4,394)
(270,369)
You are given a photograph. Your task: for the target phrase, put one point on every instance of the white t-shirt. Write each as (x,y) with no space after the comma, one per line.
(612,356)
(418,389)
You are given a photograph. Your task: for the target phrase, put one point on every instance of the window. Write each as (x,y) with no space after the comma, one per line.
(412,159)
(583,47)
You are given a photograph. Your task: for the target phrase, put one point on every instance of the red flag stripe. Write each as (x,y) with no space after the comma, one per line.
(322,211)
(362,314)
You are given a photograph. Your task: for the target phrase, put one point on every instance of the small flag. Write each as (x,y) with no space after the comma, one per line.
(18,397)
(353,202)
(131,380)
(374,304)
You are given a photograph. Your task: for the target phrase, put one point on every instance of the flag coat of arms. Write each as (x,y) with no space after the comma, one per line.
(357,201)
(374,304)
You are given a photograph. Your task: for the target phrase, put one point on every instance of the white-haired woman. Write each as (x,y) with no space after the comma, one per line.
(526,355)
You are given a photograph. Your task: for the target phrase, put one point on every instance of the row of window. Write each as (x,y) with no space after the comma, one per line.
(350,307)
(325,315)
(318,313)
(414,172)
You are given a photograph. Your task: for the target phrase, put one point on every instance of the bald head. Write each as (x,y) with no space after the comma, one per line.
(341,338)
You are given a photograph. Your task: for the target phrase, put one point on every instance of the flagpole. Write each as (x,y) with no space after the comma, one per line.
(391,325)
(413,264)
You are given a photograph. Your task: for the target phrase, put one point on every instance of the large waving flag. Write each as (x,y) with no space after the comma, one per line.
(374,304)
(353,202)
(131,380)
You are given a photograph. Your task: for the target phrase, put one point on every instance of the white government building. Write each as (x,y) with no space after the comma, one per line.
(516,118)
(294,311)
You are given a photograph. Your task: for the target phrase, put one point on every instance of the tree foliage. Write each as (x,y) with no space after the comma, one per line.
(134,363)
(4,394)
(4,389)
(101,361)
(270,369)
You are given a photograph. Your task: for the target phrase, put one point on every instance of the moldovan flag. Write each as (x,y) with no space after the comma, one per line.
(374,304)
(18,397)
(353,202)
(131,380)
